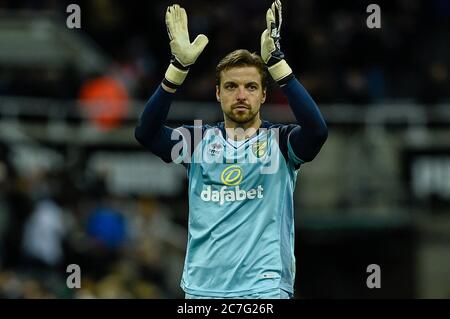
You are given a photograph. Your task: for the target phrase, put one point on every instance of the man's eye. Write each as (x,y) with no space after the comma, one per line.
(253,87)
(229,86)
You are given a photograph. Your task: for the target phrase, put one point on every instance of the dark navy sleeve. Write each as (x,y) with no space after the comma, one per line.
(302,142)
(151,132)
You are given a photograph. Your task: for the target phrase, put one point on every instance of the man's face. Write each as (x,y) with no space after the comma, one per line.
(241,94)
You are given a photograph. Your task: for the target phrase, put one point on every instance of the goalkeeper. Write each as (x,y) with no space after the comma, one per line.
(242,172)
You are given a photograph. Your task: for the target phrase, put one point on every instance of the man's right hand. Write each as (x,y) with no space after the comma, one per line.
(184,53)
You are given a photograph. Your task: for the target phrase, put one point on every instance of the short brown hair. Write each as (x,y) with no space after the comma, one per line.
(242,58)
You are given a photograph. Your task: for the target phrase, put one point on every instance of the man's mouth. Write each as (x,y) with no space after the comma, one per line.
(240,107)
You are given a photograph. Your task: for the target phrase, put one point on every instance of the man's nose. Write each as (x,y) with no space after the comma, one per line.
(241,94)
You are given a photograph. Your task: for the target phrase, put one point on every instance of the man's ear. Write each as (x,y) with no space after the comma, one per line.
(217,93)
(263,99)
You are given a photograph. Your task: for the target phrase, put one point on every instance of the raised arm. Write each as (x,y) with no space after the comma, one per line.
(151,131)
(305,140)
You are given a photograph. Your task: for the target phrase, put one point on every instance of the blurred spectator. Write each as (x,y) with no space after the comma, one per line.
(44,233)
(105,101)
(107,227)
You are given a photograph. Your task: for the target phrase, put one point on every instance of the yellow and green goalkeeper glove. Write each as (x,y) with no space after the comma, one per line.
(270,46)
(184,53)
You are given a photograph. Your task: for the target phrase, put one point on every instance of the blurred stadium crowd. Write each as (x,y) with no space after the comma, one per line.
(133,246)
(127,247)
(327,43)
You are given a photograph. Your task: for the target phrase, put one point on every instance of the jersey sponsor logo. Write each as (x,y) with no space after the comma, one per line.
(234,194)
(232,175)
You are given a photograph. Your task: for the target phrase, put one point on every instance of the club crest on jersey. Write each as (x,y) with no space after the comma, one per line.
(259,148)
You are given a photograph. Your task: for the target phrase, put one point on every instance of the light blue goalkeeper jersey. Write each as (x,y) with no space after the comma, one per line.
(241,214)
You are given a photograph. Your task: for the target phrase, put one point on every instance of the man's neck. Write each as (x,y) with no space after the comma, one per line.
(238,131)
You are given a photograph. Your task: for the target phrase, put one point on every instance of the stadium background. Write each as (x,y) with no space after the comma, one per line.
(75,188)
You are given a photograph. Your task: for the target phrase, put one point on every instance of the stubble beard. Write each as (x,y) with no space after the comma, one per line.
(247,117)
